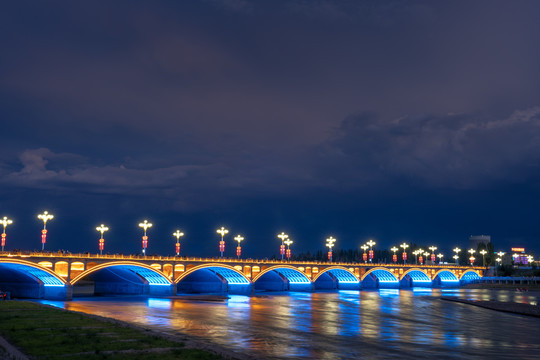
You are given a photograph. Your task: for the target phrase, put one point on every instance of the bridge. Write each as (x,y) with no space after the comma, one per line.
(62,276)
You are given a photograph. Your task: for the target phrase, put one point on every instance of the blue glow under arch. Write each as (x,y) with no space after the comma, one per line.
(291,273)
(470,274)
(342,274)
(382,274)
(446,277)
(418,277)
(153,276)
(34,271)
(229,273)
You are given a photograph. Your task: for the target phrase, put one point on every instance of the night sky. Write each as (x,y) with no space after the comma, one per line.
(414,121)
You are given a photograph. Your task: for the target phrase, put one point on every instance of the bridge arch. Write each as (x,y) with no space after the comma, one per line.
(444,278)
(470,274)
(124,277)
(25,279)
(214,277)
(379,277)
(281,278)
(415,277)
(336,277)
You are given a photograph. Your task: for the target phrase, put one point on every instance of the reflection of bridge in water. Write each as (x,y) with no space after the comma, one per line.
(60,276)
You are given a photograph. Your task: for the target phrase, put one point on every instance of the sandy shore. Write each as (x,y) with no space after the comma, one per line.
(510,307)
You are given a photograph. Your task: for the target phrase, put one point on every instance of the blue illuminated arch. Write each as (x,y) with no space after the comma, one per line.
(151,275)
(470,275)
(417,277)
(341,274)
(292,274)
(33,271)
(230,274)
(379,278)
(446,278)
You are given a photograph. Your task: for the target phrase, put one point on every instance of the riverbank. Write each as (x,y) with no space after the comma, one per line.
(38,331)
(510,307)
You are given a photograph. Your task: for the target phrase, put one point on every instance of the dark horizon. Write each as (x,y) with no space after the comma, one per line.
(393,121)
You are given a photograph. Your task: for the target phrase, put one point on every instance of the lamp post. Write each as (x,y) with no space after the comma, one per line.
(371,243)
(222,232)
(145,225)
(238,238)
(472,258)
(283,237)
(483,252)
(5,221)
(498,261)
(45,217)
(404,256)
(440,256)
(102,228)
(432,248)
(288,242)
(330,243)
(457,250)
(426,254)
(364,255)
(420,252)
(178,234)
(394,256)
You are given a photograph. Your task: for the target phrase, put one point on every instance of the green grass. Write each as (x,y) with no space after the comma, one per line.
(43,332)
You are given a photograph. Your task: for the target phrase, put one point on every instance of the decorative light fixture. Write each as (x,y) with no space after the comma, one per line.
(222,232)
(45,217)
(145,225)
(5,221)
(102,228)
(178,234)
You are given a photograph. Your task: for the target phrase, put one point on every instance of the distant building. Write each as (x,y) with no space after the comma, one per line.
(475,240)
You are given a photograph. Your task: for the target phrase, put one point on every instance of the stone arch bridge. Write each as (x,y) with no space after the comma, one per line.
(61,276)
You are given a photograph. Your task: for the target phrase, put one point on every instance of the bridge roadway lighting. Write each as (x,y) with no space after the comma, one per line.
(288,242)
(178,234)
(440,256)
(222,232)
(102,228)
(394,256)
(330,243)
(238,238)
(5,221)
(472,258)
(145,225)
(404,256)
(364,255)
(45,217)
(371,243)
(283,237)
(432,248)
(483,252)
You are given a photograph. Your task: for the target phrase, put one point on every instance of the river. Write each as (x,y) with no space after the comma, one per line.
(378,324)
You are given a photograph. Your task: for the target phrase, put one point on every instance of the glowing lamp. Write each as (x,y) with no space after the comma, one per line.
(45,217)
(283,237)
(178,234)
(5,222)
(222,232)
(145,225)
(102,228)
(330,243)
(238,238)
(288,242)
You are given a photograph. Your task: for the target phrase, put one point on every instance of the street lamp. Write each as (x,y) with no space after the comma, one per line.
(145,225)
(432,248)
(45,217)
(222,232)
(440,256)
(102,228)
(394,256)
(371,243)
(472,258)
(288,242)
(5,221)
(283,237)
(426,254)
(364,255)
(178,234)
(456,250)
(404,256)
(419,253)
(238,238)
(330,243)
(483,252)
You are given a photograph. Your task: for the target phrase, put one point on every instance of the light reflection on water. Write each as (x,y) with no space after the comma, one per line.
(388,323)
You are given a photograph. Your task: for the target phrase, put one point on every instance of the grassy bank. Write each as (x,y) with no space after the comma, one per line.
(44,332)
